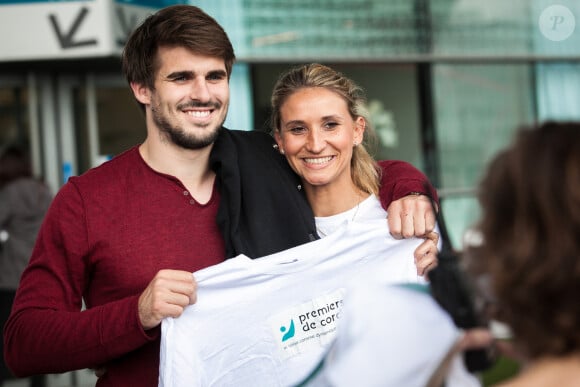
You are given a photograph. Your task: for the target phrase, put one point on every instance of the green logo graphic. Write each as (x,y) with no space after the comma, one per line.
(290,333)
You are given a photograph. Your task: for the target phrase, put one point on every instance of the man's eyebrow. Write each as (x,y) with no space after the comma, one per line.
(180,74)
(191,74)
(221,73)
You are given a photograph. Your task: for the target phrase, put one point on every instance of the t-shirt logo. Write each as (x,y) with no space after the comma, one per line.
(308,326)
(290,333)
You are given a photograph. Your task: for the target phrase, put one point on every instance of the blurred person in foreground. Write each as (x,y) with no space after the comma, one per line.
(24,201)
(126,236)
(528,262)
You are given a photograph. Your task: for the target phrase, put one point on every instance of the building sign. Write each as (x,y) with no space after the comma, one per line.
(49,30)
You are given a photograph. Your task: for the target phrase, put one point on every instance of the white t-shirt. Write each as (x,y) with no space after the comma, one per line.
(268,321)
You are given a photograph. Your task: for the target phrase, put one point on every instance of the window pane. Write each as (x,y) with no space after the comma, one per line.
(558,89)
(478,108)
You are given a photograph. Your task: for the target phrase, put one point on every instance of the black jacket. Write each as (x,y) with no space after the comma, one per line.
(262,209)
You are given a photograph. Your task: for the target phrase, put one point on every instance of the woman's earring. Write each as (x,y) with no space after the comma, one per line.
(355,143)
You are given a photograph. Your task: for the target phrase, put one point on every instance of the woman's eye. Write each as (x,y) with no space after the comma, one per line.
(331,124)
(297,129)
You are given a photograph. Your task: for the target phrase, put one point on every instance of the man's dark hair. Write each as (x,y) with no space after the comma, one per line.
(175,26)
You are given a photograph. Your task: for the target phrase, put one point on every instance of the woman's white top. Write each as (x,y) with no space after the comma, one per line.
(368,209)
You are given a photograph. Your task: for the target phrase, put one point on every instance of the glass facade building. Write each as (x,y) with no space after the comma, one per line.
(448,80)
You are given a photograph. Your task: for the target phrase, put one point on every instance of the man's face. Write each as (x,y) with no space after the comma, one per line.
(191,96)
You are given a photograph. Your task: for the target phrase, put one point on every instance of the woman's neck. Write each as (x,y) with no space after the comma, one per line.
(326,201)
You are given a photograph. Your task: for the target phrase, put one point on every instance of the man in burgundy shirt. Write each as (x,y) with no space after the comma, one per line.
(125,236)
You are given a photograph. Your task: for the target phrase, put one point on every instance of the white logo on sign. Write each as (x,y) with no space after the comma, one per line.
(557,23)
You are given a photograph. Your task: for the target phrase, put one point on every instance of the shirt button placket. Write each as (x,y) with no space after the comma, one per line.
(191,201)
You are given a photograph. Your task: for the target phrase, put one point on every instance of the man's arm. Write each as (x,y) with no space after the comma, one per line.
(406,194)
(47,332)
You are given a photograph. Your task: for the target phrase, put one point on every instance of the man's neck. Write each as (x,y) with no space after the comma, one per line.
(191,167)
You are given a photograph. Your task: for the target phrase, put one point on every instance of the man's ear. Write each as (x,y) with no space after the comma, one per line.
(141,93)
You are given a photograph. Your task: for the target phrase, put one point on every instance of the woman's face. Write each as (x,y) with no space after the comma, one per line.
(317,135)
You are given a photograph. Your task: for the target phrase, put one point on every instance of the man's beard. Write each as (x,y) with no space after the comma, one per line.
(179,137)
